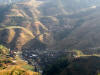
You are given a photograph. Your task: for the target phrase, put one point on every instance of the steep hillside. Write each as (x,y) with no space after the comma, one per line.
(21,24)
(15,37)
(58,24)
(86,34)
(74,24)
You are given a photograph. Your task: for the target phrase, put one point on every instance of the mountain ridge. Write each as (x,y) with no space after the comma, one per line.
(54,23)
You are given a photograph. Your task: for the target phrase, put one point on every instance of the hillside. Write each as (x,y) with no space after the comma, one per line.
(15,37)
(20,21)
(40,32)
(86,34)
(88,65)
(62,23)
(13,65)
(81,66)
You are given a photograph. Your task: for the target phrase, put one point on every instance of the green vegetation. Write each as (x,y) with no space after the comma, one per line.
(4,59)
(17,71)
(80,66)
(3,50)
(78,52)
(28,67)
(13,66)
(98,74)
(56,67)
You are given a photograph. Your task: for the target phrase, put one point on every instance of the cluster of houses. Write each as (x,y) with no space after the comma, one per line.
(46,56)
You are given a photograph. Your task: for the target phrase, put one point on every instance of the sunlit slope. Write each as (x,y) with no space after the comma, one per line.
(58,23)
(16,70)
(24,16)
(13,65)
(15,36)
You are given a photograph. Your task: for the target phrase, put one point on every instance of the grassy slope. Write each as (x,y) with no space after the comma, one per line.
(14,27)
(14,66)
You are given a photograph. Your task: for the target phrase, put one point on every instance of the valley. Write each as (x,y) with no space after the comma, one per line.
(49,37)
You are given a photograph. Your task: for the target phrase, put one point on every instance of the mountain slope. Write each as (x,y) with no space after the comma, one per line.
(22,19)
(15,37)
(58,24)
(86,35)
